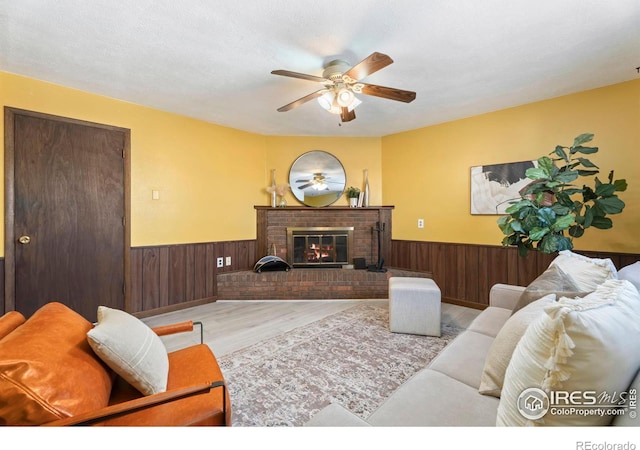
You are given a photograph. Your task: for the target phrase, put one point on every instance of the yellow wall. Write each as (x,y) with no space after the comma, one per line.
(355,154)
(210,177)
(426,172)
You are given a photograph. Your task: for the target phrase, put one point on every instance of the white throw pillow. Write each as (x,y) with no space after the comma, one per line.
(577,345)
(587,273)
(502,347)
(631,273)
(131,349)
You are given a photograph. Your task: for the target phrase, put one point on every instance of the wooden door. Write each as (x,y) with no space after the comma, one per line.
(67,236)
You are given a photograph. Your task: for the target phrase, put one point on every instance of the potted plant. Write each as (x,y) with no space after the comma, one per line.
(353,193)
(551,211)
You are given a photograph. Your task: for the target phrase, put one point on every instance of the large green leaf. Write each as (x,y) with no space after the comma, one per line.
(568,176)
(555,243)
(621,185)
(610,205)
(559,209)
(584,150)
(509,240)
(602,223)
(605,190)
(576,231)
(563,199)
(561,153)
(588,194)
(585,162)
(547,216)
(538,233)
(583,139)
(537,173)
(504,225)
(516,225)
(563,222)
(530,222)
(523,249)
(588,173)
(564,243)
(516,207)
(588,217)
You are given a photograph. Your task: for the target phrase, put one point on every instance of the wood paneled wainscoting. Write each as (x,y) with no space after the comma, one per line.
(170,277)
(466,272)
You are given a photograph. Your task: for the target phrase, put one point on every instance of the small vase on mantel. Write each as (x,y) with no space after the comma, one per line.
(365,200)
(273,188)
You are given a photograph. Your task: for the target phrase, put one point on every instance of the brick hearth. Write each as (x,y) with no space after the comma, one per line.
(308,284)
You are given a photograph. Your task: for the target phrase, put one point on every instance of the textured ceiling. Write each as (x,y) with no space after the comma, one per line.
(212,59)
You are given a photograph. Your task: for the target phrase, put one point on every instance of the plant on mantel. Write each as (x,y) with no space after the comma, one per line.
(552,211)
(352,192)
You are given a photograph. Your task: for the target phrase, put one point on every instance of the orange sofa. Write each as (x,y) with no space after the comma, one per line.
(49,375)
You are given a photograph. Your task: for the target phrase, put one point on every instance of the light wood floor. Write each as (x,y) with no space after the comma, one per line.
(231,325)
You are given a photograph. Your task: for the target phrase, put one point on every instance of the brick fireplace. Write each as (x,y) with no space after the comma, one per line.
(316,280)
(272,224)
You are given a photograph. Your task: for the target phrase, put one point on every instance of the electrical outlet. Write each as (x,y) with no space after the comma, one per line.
(420,223)
(228,261)
(220,262)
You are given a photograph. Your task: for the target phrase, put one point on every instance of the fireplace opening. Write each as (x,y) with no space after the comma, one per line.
(328,247)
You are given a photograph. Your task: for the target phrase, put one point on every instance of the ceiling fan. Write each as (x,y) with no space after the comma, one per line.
(341,83)
(318,182)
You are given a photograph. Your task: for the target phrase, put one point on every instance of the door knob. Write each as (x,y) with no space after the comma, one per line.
(24,239)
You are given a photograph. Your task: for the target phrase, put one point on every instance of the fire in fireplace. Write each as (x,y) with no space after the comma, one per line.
(319,246)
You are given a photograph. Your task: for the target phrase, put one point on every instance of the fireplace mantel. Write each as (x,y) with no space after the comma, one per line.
(326,208)
(272,223)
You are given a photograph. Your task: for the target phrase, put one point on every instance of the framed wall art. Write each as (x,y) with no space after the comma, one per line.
(495,185)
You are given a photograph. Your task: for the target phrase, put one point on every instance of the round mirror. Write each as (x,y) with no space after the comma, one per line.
(317,178)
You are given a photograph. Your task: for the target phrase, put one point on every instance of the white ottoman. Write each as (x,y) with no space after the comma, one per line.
(414,306)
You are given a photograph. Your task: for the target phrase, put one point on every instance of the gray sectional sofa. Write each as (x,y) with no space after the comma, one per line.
(445,393)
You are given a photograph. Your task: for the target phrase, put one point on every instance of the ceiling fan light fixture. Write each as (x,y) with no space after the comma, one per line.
(345,97)
(326,100)
(320,186)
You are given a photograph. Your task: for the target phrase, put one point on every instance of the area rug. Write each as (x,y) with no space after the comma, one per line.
(350,358)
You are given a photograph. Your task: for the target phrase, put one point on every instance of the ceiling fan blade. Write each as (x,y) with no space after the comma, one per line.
(304,186)
(387,92)
(304,76)
(302,100)
(346,115)
(369,65)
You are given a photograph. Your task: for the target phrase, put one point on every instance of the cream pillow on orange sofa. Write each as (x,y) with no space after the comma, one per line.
(131,349)
(585,344)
